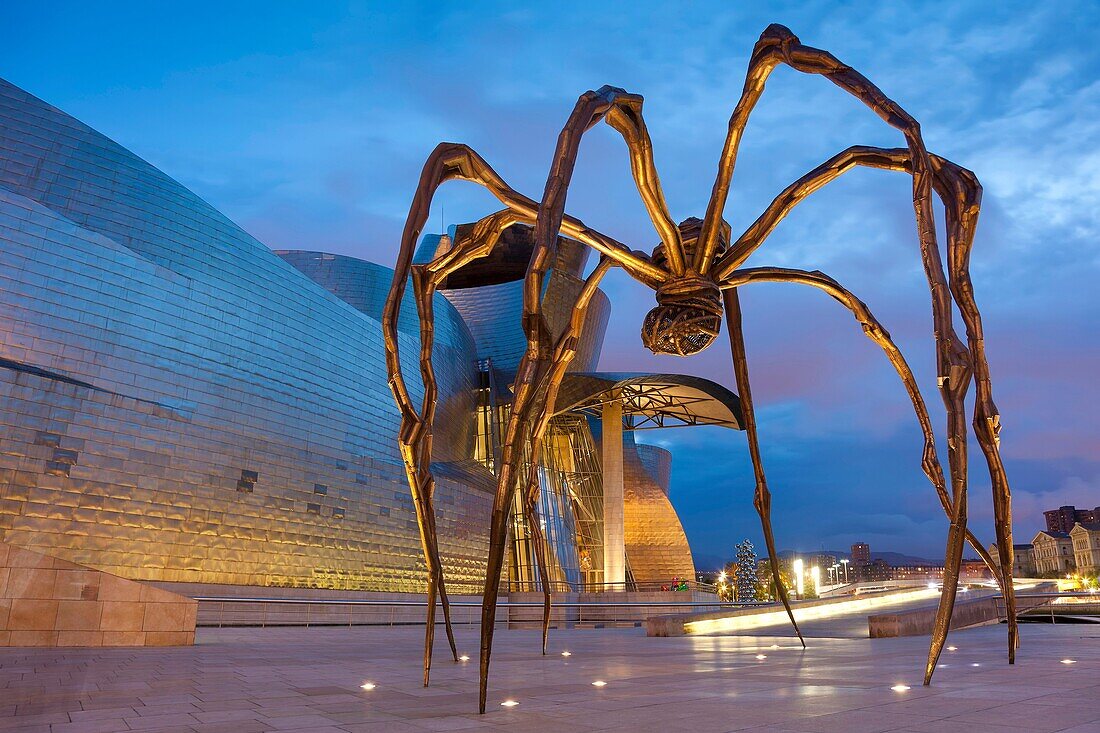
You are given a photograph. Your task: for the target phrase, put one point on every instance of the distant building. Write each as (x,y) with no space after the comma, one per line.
(1086,546)
(1053,553)
(872,572)
(821,560)
(861,553)
(1063,518)
(970,571)
(973,571)
(1023,560)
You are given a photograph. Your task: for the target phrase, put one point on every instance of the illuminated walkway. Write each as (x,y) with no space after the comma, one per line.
(249,680)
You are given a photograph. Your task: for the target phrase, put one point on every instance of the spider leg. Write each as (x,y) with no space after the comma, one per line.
(762,498)
(874,330)
(449,161)
(960,193)
(564,352)
(424,291)
(538,539)
(455,160)
(953,360)
(590,108)
(625,116)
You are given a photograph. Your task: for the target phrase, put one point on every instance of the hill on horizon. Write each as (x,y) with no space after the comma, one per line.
(705,562)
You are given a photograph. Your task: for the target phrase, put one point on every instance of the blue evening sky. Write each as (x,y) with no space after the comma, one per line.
(307,124)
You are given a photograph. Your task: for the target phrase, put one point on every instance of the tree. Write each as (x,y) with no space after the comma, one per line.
(765,582)
(745,573)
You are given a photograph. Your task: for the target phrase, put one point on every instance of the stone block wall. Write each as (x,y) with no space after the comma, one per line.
(45,601)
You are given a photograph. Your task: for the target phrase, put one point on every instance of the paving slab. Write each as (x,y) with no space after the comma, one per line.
(294,679)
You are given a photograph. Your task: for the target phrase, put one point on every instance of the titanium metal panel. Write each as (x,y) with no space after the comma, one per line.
(172,393)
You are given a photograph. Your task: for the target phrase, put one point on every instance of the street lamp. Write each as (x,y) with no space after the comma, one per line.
(815,576)
(845,562)
(799,582)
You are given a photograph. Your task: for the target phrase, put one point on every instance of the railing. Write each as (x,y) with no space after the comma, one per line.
(245,611)
(1048,602)
(561,586)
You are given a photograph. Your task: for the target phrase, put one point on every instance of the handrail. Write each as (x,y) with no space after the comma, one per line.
(562,586)
(262,611)
(1048,605)
(465,604)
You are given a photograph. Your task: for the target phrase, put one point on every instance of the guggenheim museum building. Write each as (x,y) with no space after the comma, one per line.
(181,404)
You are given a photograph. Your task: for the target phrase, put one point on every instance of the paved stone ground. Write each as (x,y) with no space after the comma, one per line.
(308,680)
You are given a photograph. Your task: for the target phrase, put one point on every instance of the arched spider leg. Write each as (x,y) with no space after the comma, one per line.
(960,193)
(564,352)
(889,159)
(449,161)
(478,243)
(625,116)
(762,498)
(424,285)
(874,330)
(953,360)
(590,108)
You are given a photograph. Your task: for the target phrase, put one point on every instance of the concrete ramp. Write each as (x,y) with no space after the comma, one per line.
(823,617)
(918,621)
(45,601)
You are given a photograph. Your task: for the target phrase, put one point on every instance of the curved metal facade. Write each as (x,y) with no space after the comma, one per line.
(492,313)
(656,545)
(177,403)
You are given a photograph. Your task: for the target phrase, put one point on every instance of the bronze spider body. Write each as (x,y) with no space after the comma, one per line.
(695,272)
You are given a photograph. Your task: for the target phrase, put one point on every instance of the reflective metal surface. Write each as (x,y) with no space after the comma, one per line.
(177,403)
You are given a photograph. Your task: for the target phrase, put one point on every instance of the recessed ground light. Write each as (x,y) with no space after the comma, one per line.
(975,664)
(761,656)
(1069,661)
(775,646)
(567,654)
(952,648)
(599,683)
(900,688)
(941,665)
(464,658)
(367,686)
(509,703)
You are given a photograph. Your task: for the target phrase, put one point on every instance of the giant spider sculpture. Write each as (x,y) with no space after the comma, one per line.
(695,271)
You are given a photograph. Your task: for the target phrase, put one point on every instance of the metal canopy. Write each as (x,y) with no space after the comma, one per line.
(652,400)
